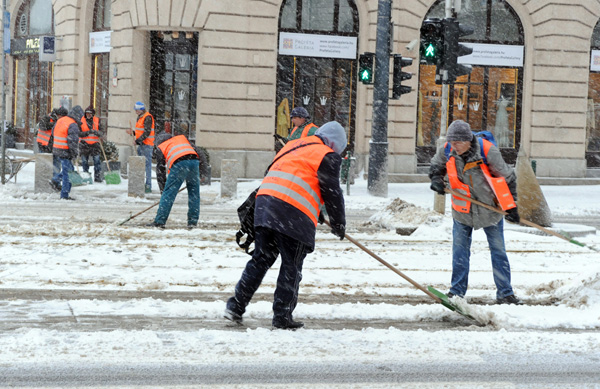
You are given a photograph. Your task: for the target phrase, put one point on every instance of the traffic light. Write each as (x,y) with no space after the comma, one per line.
(398,76)
(453,30)
(365,68)
(432,42)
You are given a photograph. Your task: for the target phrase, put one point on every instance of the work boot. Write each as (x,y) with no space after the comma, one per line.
(67,198)
(232,316)
(512,299)
(287,324)
(147,189)
(155,224)
(191,226)
(56,186)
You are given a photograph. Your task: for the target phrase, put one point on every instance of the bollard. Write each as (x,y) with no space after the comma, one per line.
(229,177)
(43,173)
(136,176)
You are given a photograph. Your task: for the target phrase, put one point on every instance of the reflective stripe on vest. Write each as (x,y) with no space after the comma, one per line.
(43,137)
(90,139)
(498,184)
(175,148)
(293,178)
(61,131)
(305,130)
(139,129)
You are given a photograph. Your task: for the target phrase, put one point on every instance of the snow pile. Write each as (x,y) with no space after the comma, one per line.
(584,292)
(400,213)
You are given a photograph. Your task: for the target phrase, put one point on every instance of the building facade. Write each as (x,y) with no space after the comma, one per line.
(227,73)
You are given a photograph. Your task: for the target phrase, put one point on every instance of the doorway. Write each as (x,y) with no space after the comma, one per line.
(173,82)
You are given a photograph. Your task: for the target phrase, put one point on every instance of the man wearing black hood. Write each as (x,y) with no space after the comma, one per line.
(89,145)
(66,146)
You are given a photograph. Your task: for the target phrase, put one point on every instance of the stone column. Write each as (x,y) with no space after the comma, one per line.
(136,176)
(43,173)
(229,177)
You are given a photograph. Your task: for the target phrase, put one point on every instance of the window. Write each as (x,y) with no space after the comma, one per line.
(35,18)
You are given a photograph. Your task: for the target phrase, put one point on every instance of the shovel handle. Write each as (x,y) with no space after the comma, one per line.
(144,210)
(389,266)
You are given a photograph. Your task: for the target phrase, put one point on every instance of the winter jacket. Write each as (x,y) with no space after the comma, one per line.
(283,217)
(478,217)
(72,135)
(93,126)
(161,161)
(308,128)
(144,131)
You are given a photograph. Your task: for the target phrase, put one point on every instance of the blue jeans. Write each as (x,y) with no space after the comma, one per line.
(188,171)
(67,166)
(461,253)
(146,151)
(268,245)
(56,167)
(97,166)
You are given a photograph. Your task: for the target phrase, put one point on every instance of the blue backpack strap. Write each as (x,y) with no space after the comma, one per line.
(447,149)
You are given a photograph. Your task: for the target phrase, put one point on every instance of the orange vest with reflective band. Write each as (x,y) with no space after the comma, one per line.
(61,131)
(90,139)
(139,129)
(43,137)
(293,178)
(305,130)
(175,148)
(498,185)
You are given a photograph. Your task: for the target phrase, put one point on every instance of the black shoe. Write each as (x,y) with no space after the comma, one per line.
(232,316)
(155,224)
(450,295)
(287,324)
(192,226)
(67,198)
(512,299)
(98,180)
(54,185)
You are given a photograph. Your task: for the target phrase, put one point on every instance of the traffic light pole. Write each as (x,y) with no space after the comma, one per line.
(3,110)
(378,146)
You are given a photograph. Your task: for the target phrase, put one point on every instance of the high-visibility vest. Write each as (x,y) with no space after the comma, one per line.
(293,178)
(498,184)
(174,148)
(305,130)
(43,136)
(139,129)
(90,139)
(61,131)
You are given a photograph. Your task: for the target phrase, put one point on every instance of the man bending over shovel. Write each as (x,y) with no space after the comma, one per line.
(471,163)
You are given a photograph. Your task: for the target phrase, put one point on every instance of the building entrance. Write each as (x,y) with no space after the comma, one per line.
(173,82)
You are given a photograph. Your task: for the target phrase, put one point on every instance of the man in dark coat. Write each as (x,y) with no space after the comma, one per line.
(66,146)
(304,177)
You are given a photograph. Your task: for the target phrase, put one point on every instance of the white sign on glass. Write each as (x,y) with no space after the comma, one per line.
(312,45)
(100,42)
(493,55)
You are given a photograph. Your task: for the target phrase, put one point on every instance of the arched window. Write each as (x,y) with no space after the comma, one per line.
(592,142)
(35,17)
(101,64)
(322,83)
(489,98)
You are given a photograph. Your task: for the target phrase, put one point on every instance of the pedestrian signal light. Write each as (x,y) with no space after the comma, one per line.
(365,68)
(432,41)
(453,30)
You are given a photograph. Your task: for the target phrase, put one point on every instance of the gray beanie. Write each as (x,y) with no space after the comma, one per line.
(459,131)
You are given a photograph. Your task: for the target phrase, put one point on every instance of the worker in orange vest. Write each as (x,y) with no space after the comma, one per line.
(303,127)
(56,181)
(177,161)
(44,132)
(66,146)
(469,166)
(89,142)
(303,177)
(144,139)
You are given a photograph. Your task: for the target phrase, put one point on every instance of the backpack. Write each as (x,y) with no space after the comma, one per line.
(246,210)
(481,135)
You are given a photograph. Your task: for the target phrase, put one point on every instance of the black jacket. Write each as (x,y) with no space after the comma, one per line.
(72,136)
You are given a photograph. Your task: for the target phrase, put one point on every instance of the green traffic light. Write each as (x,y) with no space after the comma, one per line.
(430,51)
(365,75)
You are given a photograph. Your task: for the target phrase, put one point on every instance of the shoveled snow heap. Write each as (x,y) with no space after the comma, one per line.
(583,292)
(400,213)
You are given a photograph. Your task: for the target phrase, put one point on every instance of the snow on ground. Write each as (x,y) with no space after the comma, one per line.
(74,251)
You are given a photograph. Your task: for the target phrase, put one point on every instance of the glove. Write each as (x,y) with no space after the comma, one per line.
(339,230)
(437,185)
(512,215)
(321,217)
(138,142)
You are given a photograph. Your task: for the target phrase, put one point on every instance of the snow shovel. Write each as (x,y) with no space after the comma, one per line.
(526,222)
(110,177)
(76,179)
(144,210)
(435,294)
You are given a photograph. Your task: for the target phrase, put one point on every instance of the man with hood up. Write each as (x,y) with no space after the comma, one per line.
(304,176)
(66,146)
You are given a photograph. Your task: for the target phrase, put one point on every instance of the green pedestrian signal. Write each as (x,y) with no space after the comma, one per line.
(430,51)
(365,68)
(432,42)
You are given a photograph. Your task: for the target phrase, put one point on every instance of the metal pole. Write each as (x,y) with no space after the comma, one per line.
(3,111)
(378,154)
(439,201)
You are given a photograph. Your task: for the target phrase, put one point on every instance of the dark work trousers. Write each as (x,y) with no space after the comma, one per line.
(268,245)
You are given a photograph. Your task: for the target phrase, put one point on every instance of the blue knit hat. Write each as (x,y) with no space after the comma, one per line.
(139,106)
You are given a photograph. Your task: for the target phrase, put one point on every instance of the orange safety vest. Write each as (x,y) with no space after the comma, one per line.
(305,130)
(139,129)
(90,139)
(498,185)
(61,131)
(43,137)
(174,148)
(293,178)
